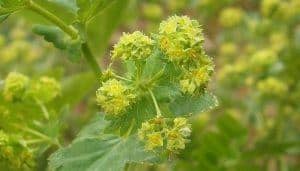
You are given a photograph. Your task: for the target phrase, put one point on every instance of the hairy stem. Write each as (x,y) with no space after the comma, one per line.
(158,112)
(87,53)
(53,18)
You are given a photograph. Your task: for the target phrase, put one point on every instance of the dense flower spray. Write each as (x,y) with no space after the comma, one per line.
(178,48)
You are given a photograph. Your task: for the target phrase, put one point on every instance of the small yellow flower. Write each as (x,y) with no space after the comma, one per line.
(195,78)
(154,140)
(159,130)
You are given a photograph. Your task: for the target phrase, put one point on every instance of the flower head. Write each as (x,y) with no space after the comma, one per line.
(133,46)
(231,17)
(114,97)
(272,86)
(263,58)
(159,132)
(45,89)
(181,39)
(15,86)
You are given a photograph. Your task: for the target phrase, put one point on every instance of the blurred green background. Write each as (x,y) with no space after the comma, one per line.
(256,49)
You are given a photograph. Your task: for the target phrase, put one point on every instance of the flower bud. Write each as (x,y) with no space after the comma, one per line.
(45,89)
(135,46)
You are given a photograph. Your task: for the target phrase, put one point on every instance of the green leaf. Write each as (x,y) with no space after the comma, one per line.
(59,39)
(100,29)
(166,93)
(186,104)
(8,7)
(70,4)
(74,88)
(90,8)
(129,122)
(3,17)
(12,6)
(51,34)
(231,127)
(93,150)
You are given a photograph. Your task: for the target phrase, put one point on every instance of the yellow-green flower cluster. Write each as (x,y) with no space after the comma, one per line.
(231,17)
(195,78)
(159,134)
(228,49)
(272,86)
(263,58)
(114,97)
(15,86)
(135,46)
(16,155)
(269,6)
(181,39)
(152,11)
(45,89)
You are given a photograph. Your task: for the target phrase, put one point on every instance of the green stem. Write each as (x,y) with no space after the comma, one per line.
(91,59)
(121,78)
(40,135)
(43,108)
(53,18)
(158,112)
(156,77)
(34,141)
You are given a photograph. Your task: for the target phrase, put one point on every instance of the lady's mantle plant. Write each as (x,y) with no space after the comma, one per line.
(146,109)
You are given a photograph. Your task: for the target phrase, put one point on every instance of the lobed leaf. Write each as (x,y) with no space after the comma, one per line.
(93,150)
(58,38)
(186,104)
(129,122)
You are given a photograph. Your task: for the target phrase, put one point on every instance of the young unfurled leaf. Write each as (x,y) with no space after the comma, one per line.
(93,150)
